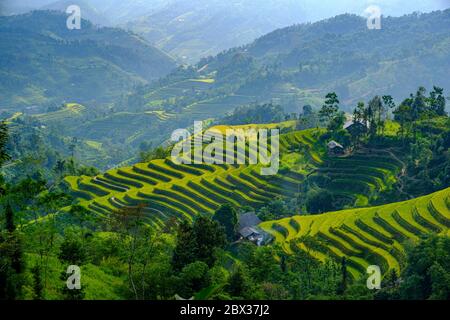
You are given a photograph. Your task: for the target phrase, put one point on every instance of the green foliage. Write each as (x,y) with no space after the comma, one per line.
(239,285)
(11,259)
(193,278)
(318,201)
(103,62)
(157,153)
(266,113)
(330,108)
(4,136)
(426,276)
(38,287)
(72,252)
(227,217)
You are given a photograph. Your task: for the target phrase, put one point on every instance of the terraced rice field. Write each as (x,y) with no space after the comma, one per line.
(161,114)
(179,88)
(176,191)
(70,111)
(210,107)
(359,177)
(368,236)
(182,191)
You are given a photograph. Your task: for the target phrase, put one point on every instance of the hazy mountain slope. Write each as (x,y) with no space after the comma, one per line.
(194,29)
(104,12)
(300,64)
(88,12)
(51,64)
(198,28)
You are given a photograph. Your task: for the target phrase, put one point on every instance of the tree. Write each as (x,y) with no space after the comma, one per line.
(388,102)
(239,283)
(4,136)
(307,110)
(209,235)
(227,217)
(73,146)
(360,113)
(38,287)
(419,105)
(337,122)
(426,275)
(12,263)
(9,219)
(344,282)
(376,115)
(198,242)
(193,278)
(60,167)
(359,130)
(319,201)
(135,237)
(185,249)
(4,156)
(72,252)
(330,108)
(404,117)
(437,101)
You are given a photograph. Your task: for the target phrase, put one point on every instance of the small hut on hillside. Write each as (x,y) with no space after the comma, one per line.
(335,148)
(247,229)
(355,126)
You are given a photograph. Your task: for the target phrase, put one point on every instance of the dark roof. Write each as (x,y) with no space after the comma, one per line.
(248,219)
(351,123)
(248,231)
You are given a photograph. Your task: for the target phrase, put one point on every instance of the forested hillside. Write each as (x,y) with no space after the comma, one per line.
(151,177)
(298,65)
(52,64)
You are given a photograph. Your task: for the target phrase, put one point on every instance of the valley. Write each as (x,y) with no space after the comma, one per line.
(224,151)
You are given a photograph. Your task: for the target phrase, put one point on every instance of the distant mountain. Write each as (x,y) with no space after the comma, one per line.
(341,54)
(298,65)
(103,12)
(42,62)
(198,28)
(194,29)
(88,12)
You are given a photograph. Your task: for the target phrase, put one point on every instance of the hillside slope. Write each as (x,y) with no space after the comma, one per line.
(168,190)
(298,65)
(376,235)
(51,64)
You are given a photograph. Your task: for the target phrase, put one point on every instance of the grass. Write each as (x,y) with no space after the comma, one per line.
(180,191)
(203,80)
(94,144)
(13,117)
(184,191)
(69,111)
(374,235)
(97,282)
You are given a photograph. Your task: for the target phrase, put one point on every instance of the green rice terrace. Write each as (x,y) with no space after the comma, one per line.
(366,236)
(68,112)
(181,191)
